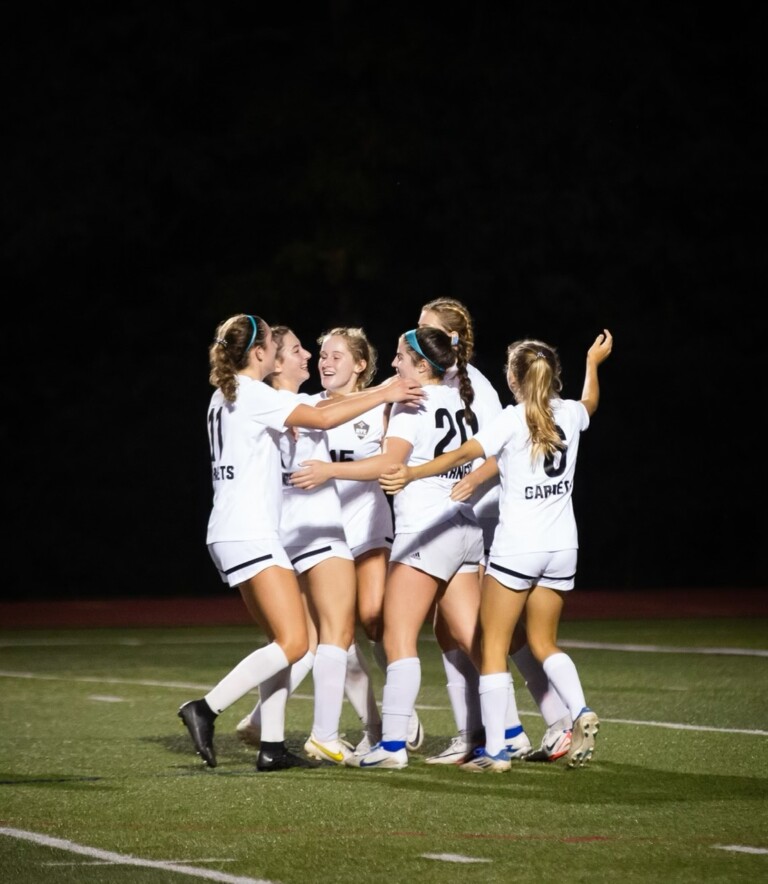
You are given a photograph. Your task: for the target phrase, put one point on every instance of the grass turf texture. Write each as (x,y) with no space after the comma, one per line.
(92,752)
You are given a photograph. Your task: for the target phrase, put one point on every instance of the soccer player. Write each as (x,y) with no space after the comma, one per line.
(244,415)
(436,538)
(533,558)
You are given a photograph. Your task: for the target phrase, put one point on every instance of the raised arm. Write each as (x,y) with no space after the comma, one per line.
(597,353)
(397,477)
(340,409)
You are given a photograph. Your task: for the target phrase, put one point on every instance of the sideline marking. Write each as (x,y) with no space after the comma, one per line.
(454,858)
(738,848)
(125,859)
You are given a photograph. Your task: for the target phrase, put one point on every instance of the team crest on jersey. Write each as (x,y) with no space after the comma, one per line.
(361,429)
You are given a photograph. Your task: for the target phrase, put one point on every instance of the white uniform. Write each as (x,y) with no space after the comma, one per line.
(311,528)
(243,527)
(485,500)
(424,509)
(536,505)
(365,509)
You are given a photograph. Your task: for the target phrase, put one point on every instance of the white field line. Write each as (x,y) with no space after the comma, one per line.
(124,859)
(225,640)
(206,687)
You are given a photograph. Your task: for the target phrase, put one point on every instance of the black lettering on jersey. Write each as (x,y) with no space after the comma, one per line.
(342,455)
(542,492)
(223,472)
(458,472)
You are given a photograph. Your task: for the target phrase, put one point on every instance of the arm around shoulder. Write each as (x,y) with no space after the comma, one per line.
(597,353)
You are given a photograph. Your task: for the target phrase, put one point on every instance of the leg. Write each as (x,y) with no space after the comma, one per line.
(273,599)
(330,585)
(543,618)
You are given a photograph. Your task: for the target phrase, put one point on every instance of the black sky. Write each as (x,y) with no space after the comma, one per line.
(559,173)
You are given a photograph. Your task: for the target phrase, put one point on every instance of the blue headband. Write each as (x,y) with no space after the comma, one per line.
(255,331)
(413,343)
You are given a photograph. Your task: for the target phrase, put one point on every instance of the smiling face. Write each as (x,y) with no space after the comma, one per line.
(338,368)
(291,364)
(403,362)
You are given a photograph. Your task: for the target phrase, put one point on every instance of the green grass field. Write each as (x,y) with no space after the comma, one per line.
(93,755)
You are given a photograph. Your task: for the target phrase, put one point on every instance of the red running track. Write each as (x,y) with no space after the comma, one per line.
(227,609)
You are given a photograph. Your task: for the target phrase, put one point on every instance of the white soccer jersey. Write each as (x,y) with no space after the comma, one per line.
(536,506)
(245,461)
(309,518)
(432,426)
(365,510)
(487,405)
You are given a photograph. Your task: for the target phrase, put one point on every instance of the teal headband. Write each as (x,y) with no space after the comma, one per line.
(413,343)
(255,331)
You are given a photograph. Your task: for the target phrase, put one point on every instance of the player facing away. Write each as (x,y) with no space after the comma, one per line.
(532,563)
(244,415)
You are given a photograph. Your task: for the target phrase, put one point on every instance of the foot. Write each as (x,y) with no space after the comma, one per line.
(585,729)
(415,733)
(481,761)
(554,744)
(381,758)
(518,746)
(336,751)
(457,752)
(248,732)
(198,716)
(277,757)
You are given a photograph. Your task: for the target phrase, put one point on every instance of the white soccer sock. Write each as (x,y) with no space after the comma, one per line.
(249,672)
(359,690)
(561,671)
(274,696)
(541,690)
(400,692)
(328,674)
(299,671)
(494,694)
(462,679)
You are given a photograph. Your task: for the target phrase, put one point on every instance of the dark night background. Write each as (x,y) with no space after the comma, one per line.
(558,170)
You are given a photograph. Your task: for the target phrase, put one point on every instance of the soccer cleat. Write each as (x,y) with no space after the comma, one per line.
(519,746)
(585,729)
(198,716)
(457,752)
(380,758)
(277,757)
(481,762)
(336,751)
(554,744)
(248,732)
(415,733)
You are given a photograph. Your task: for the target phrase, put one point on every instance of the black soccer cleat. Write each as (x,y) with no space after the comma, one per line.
(198,716)
(275,756)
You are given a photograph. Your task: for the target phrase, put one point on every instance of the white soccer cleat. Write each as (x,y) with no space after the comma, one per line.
(482,762)
(519,746)
(415,733)
(554,744)
(336,751)
(585,730)
(380,758)
(248,732)
(456,753)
